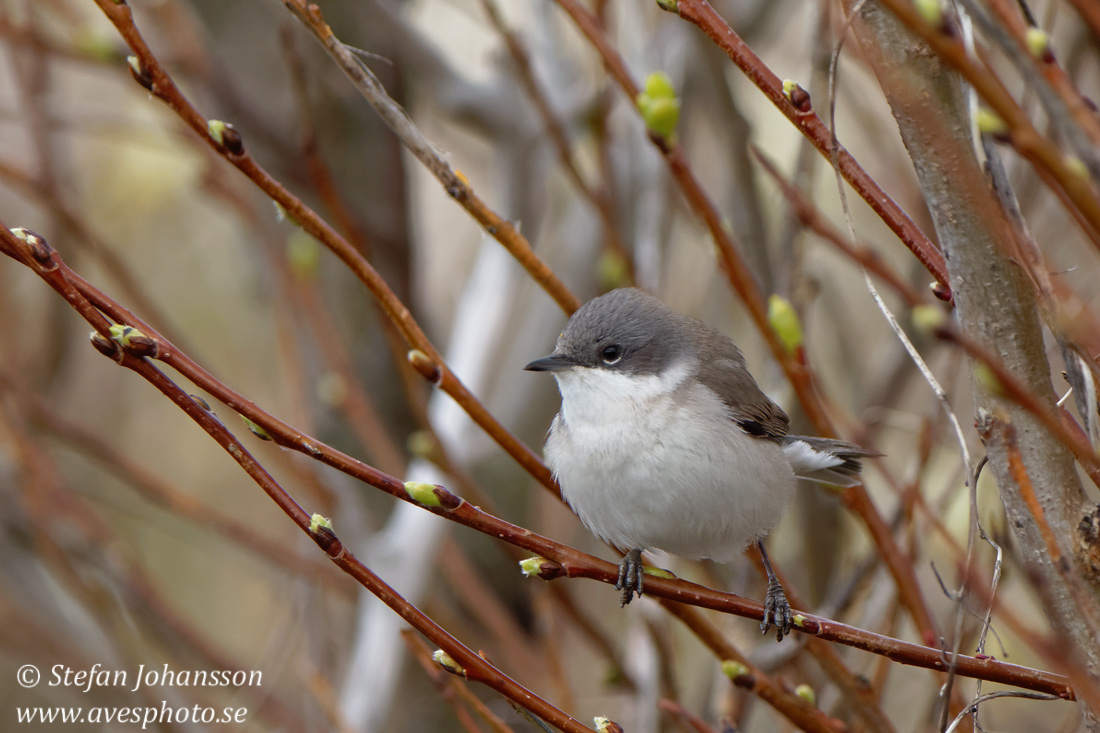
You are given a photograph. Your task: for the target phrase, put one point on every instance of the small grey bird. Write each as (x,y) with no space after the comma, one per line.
(664,440)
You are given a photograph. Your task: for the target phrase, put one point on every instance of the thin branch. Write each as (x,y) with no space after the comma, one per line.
(973,706)
(1044,155)
(599,201)
(798,372)
(810,125)
(473,665)
(456,185)
(563,561)
(156,79)
(451,689)
(809,215)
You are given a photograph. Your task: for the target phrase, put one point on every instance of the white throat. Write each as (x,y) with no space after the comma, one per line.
(596,397)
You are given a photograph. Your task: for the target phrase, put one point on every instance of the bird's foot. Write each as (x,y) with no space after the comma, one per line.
(777,612)
(631,577)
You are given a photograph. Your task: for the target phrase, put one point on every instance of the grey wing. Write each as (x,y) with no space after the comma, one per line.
(724,372)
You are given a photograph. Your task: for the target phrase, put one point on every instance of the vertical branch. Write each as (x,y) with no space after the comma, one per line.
(996,305)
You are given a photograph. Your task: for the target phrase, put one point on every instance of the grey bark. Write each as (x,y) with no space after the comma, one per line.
(995,306)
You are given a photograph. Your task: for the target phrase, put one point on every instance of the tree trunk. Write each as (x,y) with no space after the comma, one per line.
(996,307)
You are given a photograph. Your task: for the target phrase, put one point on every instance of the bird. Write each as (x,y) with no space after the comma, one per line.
(664,441)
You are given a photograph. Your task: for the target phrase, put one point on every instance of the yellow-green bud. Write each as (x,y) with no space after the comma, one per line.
(1038,43)
(988,380)
(658,85)
(216,128)
(613,272)
(796,95)
(990,123)
(734,669)
(927,318)
(541,567)
(931,11)
(658,105)
(784,321)
(806,693)
(302,253)
(1077,167)
(661,116)
(225,135)
(135,65)
(604,725)
(123,335)
(134,341)
(447,662)
(139,72)
(421,443)
(422,493)
(530,566)
(317,523)
(255,429)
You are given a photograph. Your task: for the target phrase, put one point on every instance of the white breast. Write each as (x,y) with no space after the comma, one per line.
(654,463)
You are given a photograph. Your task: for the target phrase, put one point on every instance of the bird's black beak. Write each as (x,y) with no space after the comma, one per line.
(552,363)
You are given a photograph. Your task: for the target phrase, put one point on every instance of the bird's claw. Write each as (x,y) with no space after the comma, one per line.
(631,577)
(777,612)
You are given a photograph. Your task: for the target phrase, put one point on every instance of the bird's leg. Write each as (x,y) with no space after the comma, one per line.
(631,574)
(777,611)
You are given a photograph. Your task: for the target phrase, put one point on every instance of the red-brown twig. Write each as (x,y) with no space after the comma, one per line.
(599,201)
(798,711)
(1060,425)
(808,213)
(566,562)
(1044,155)
(456,185)
(798,372)
(48,265)
(1090,13)
(809,124)
(452,691)
(151,74)
(161,491)
(1011,20)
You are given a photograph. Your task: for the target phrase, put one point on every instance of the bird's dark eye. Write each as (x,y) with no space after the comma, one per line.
(611,354)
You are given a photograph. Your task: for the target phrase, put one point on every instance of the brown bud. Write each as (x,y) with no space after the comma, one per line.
(139,72)
(40,250)
(797,96)
(134,341)
(226,135)
(232,141)
(447,500)
(105,346)
(425,366)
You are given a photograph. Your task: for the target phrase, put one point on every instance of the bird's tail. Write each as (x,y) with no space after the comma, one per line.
(828,461)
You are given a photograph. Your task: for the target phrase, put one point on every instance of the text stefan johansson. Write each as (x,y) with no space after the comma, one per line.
(97,676)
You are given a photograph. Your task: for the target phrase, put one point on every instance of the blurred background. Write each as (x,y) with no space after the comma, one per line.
(127,537)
